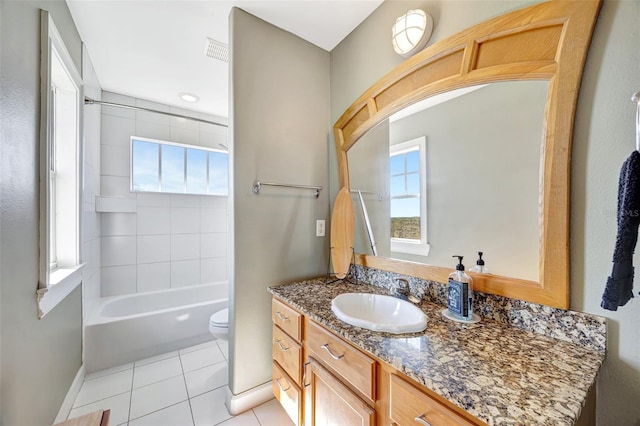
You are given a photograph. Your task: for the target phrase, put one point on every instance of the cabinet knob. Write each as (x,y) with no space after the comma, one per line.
(334,356)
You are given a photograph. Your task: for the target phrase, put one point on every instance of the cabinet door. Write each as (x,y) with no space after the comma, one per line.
(328,402)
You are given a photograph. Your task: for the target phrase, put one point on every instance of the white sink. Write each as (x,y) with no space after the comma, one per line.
(379,313)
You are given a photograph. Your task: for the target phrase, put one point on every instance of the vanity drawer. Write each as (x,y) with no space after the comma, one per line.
(409,406)
(287,353)
(287,319)
(287,392)
(355,368)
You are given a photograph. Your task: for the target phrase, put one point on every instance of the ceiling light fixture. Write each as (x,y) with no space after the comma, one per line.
(188,97)
(411,32)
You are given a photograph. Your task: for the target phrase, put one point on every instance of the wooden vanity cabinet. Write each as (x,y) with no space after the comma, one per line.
(320,379)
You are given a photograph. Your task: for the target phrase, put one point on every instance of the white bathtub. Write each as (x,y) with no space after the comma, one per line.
(136,326)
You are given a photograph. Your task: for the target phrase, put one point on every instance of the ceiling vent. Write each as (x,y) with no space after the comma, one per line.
(217,50)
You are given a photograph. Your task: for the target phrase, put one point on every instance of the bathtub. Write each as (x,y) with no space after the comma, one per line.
(128,328)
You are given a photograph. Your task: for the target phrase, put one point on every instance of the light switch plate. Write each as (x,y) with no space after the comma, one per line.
(319,228)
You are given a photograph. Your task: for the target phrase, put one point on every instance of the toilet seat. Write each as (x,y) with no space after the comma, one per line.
(220,319)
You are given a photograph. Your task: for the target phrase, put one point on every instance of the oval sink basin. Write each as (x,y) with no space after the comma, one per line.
(377,312)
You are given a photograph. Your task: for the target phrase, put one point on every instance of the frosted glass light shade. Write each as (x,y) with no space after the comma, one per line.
(411,32)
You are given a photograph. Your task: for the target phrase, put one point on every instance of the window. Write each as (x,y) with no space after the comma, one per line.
(61,174)
(158,166)
(407,170)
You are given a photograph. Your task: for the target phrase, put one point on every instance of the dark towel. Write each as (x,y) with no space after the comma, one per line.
(620,284)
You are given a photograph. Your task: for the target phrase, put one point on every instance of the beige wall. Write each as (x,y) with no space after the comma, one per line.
(40,358)
(278,128)
(604,137)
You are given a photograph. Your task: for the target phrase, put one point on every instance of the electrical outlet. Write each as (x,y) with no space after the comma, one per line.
(319,228)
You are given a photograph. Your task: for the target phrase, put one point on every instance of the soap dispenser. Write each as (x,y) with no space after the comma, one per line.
(460,293)
(480,268)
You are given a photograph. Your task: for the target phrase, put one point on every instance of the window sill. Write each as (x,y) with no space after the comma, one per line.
(404,246)
(62,282)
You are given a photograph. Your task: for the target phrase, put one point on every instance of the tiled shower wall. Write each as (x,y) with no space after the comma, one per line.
(172,240)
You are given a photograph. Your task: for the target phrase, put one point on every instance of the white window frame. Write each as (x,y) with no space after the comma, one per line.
(181,145)
(404,245)
(59,274)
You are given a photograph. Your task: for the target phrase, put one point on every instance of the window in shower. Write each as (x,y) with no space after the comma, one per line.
(168,167)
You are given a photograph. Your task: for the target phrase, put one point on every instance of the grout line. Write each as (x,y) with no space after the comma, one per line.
(256,416)
(159,409)
(193,419)
(131,393)
(97,400)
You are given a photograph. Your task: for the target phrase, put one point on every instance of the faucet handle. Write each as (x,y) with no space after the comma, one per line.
(405,290)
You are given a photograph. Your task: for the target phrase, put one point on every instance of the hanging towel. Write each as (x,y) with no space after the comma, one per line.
(618,290)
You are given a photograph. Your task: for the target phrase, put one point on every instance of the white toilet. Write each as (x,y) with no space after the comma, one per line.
(219,324)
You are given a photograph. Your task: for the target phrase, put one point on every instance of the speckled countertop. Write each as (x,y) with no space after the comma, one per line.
(501,374)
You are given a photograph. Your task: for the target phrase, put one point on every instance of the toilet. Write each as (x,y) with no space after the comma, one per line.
(219,324)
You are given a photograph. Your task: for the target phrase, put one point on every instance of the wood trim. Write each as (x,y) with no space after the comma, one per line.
(556,34)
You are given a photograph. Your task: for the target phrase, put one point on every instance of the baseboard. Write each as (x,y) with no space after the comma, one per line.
(67,404)
(246,400)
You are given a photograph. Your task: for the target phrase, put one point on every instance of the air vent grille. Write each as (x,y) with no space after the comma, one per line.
(217,50)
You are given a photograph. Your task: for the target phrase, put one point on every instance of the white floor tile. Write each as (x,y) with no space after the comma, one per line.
(224,347)
(245,419)
(157,396)
(206,379)
(197,347)
(156,372)
(156,358)
(272,413)
(201,358)
(104,387)
(208,409)
(176,415)
(119,406)
(108,371)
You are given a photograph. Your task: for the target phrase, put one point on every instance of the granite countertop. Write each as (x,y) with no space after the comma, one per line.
(499,373)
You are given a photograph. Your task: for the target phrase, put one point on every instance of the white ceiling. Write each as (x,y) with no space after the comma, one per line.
(154,49)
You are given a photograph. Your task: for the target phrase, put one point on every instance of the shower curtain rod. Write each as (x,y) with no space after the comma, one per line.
(89,101)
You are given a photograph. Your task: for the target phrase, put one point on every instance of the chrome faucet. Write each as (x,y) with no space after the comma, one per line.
(404,291)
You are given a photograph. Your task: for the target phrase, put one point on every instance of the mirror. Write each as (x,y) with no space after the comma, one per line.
(545,42)
(456,173)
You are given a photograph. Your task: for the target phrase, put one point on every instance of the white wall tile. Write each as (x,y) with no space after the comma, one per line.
(116,130)
(213,140)
(118,251)
(185,220)
(154,276)
(153,200)
(154,220)
(150,116)
(115,186)
(213,220)
(213,245)
(185,246)
(114,224)
(183,122)
(150,130)
(188,136)
(118,99)
(213,202)
(115,160)
(118,280)
(154,248)
(185,200)
(185,273)
(213,270)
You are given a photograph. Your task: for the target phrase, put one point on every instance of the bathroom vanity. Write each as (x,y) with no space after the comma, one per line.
(328,372)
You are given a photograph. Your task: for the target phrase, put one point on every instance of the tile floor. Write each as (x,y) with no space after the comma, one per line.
(181,388)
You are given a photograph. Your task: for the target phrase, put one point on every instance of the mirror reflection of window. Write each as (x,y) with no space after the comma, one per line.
(408,218)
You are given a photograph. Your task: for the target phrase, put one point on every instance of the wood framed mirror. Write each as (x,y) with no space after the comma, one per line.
(548,42)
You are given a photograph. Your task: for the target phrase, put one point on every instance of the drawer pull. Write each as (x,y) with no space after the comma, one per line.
(282,317)
(334,356)
(420,419)
(288,387)
(282,347)
(304,375)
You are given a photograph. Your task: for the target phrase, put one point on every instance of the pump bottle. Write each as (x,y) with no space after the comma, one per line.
(480,268)
(460,293)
